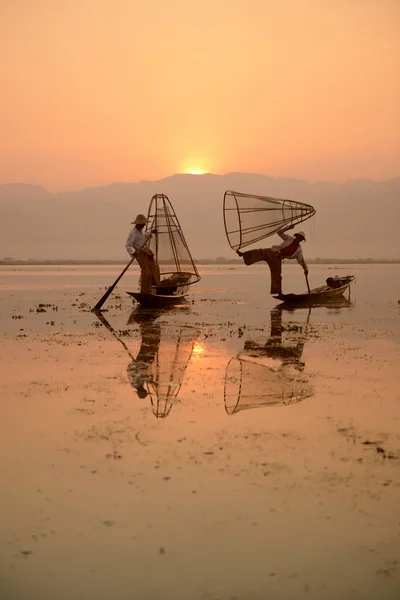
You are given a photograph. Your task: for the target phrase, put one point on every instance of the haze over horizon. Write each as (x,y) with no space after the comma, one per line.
(80,188)
(357,219)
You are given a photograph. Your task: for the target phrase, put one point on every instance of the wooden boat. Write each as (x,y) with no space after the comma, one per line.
(159,298)
(324,293)
(171,252)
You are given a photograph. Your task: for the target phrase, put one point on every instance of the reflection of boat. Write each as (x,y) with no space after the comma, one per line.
(269,374)
(332,290)
(147,313)
(333,304)
(160,365)
(171,252)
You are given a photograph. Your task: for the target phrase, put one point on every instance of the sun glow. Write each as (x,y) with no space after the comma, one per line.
(198,349)
(195,171)
(194,165)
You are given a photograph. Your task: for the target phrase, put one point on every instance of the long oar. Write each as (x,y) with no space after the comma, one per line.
(111,288)
(308,285)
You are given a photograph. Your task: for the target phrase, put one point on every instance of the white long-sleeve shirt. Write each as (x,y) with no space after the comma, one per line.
(297,254)
(136,240)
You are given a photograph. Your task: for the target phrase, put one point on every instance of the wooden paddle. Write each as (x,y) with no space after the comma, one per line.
(111,288)
(308,285)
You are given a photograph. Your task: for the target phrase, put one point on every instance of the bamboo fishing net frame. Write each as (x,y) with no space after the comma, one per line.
(160,206)
(268,215)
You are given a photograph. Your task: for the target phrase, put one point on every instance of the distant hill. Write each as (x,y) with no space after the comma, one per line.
(356,219)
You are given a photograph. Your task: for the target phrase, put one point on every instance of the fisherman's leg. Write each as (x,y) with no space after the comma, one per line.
(275,266)
(155,271)
(276,277)
(145,277)
(252,256)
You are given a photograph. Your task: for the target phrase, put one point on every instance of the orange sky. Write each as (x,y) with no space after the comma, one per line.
(95,91)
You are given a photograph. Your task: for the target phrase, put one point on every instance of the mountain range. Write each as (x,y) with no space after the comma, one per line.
(356,219)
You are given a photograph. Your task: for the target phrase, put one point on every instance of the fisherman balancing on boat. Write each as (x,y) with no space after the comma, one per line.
(290,248)
(136,248)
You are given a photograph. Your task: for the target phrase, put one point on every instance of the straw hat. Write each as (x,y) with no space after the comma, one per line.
(140,220)
(303,235)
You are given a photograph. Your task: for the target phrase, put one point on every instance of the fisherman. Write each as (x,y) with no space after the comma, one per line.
(136,248)
(290,248)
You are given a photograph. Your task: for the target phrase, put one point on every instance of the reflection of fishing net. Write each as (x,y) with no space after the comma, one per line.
(169,245)
(249,218)
(159,367)
(169,366)
(250,384)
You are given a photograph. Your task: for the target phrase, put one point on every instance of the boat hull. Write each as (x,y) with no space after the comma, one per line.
(156,300)
(317,295)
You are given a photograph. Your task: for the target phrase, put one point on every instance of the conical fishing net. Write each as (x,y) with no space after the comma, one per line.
(249,384)
(169,245)
(249,218)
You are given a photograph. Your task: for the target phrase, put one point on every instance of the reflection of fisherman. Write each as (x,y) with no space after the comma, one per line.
(252,382)
(274,348)
(152,374)
(290,248)
(140,370)
(135,245)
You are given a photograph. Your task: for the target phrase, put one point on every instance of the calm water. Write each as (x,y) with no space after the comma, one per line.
(374,295)
(224,449)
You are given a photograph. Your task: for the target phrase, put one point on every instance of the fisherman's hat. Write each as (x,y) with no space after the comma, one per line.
(140,220)
(303,235)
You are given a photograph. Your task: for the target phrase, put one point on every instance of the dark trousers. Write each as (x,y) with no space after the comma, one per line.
(274,262)
(150,272)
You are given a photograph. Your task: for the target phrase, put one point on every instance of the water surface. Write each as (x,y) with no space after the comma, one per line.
(227,448)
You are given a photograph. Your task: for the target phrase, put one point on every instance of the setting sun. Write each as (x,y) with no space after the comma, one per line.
(195,171)
(195,165)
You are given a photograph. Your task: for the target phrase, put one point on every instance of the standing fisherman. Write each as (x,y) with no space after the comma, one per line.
(136,247)
(290,248)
